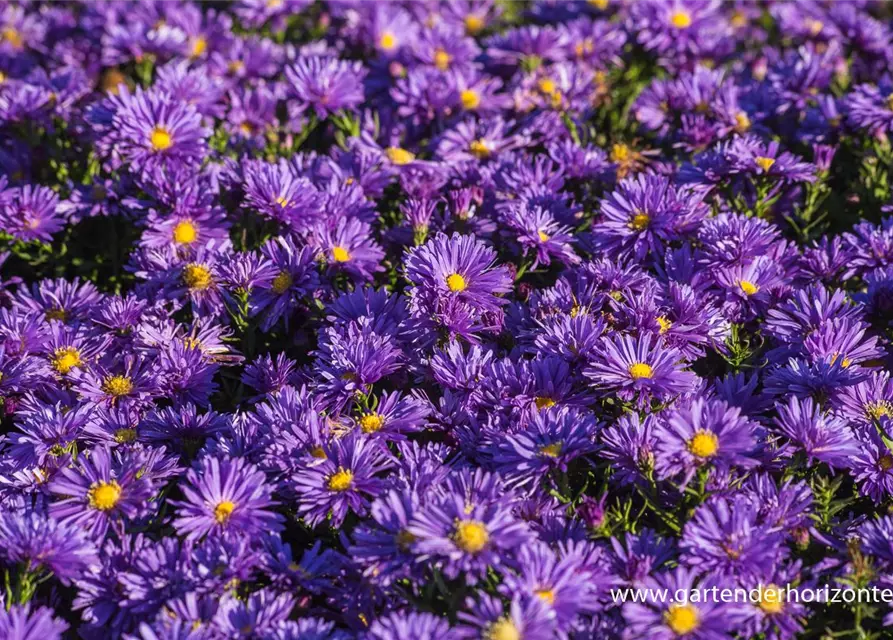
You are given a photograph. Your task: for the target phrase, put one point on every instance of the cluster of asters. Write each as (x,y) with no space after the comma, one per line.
(442,320)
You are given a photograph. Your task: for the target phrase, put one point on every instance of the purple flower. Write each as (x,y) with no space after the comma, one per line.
(468,532)
(37,541)
(639,369)
(708,432)
(24,623)
(326,84)
(342,479)
(153,129)
(31,212)
(459,267)
(551,440)
(822,437)
(103,490)
(666,619)
(726,537)
(644,214)
(224,496)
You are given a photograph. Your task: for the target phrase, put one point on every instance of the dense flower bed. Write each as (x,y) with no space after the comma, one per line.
(441,320)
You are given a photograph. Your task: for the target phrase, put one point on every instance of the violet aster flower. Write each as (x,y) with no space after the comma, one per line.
(131,383)
(31,212)
(467,532)
(341,480)
(349,247)
(24,623)
(539,233)
(638,369)
(41,543)
(709,432)
(277,193)
(460,267)
(522,618)
(644,214)
(223,496)
(385,545)
(393,417)
(750,157)
(295,279)
(822,437)
(155,129)
(102,491)
(681,30)
(629,445)
(726,537)
(868,106)
(666,619)
(424,626)
(552,439)
(326,84)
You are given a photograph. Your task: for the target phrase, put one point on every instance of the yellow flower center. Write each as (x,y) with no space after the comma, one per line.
(185,232)
(117,386)
(479,149)
(282,282)
(456,283)
(601,5)
(748,287)
(387,41)
(399,156)
(885,462)
(340,254)
(664,323)
(318,453)
(544,402)
(371,422)
(771,599)
(543,236)
(13,37)
(196,277)
(341,480)
(442,59)
(640,370)
(235,66)
(620,153)
(473,24)
(223,511)
(469,99)
(682,618)
(704,444)
(742,122)
(764,163)
(878,410)
(471,536)
(815,26)
(503,629)
(546,595)
(56,314)
(551,450)
(125,436)
(640,221)
(161,139)
(104,495)
(65,359)
(405,540)
(199,45)
(546,85)
(680,19)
